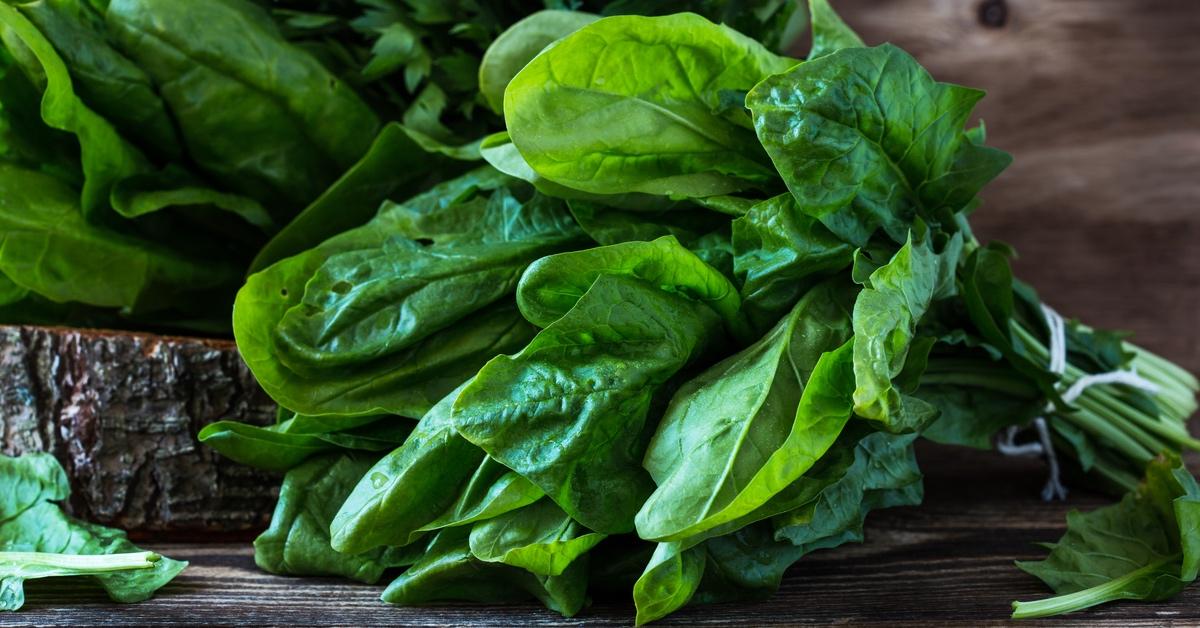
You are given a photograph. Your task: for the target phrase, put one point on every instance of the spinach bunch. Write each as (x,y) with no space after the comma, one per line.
(683,329)
(38,540)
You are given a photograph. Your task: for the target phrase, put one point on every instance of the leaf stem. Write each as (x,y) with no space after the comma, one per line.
(1099,594)
(83,562)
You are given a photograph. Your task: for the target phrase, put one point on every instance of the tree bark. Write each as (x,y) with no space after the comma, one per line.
(121,411)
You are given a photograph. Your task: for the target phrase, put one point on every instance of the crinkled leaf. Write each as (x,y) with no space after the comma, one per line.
(866,139)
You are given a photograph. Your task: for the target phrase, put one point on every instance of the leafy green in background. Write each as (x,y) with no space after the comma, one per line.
(38,540)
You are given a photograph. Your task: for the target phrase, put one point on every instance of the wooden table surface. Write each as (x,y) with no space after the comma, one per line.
(1098,102)
(949,561)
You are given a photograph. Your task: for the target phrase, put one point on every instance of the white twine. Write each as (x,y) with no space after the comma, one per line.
(1006,443)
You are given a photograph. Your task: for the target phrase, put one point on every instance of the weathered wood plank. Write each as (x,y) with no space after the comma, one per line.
(121,412)
(1096,101)
(947,561)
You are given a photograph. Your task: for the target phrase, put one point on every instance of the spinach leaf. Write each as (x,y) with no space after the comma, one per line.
(450,572)
(865,139)
(17,567)
(883,474)
(393,164)
(554,284)
(490,492)
(585,117)
(744,430)
(539,538)
(1144,548)
(569,412)
(669,581)
(111,84)
(298,544)
(38,540)
(283,446)
(409,487)
(886,313)
(106,158)
(779,253)
(366,323)
(47,247)
(518,45)
(829,32)
(263,116)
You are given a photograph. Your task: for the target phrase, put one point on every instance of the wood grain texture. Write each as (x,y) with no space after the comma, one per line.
(1098,103)
(121,411)
(948,561)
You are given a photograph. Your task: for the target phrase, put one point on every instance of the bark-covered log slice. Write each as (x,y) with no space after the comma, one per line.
(121,411)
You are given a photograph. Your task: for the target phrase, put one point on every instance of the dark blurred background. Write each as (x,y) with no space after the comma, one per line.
(1099,103)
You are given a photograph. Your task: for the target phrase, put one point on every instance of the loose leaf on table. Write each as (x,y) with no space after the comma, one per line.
(38,540)
(886,313)
(584,118)
(261,115)
(1147,547)
(865,139)
(569,412)
(539,538)
(742,431)
(297,543)
(515,47)
(391,316)
(779,253)
(449,571)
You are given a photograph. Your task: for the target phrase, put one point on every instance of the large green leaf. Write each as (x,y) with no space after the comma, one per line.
(47,247)
(409,487)
(569,412)
(518,45)
(668,582)
(747,428)
(389,317)
(554,284)
(263,116)
(865,139)
(635,104)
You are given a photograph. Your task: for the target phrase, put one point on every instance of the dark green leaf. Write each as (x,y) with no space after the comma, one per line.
(866,139)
